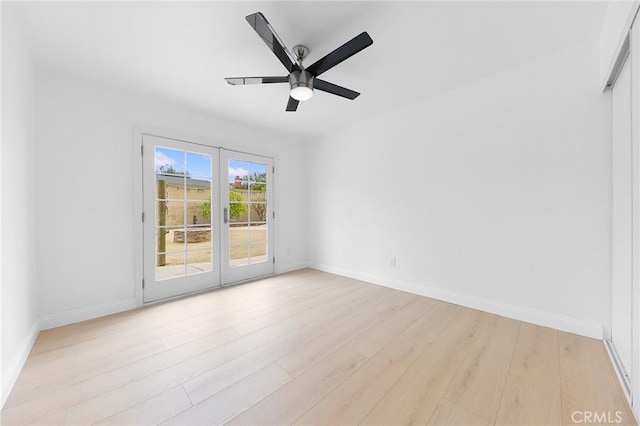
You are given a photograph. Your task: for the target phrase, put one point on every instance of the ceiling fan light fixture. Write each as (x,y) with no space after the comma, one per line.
(301,93)
(301,83)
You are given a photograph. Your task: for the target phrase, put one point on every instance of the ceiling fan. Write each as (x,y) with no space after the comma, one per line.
(302,80)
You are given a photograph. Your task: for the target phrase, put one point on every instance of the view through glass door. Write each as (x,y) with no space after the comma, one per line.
(208,216)
(247,250)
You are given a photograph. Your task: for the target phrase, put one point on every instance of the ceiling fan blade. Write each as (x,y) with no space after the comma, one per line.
(292,105)
(267,33)
(239,81)
(334,89)
(342,53)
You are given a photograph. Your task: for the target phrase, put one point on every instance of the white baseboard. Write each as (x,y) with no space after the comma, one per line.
(16,364)
(282,269)
(83,314)
(545,319)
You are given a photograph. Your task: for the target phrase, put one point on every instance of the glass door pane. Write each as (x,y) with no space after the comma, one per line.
(247,245)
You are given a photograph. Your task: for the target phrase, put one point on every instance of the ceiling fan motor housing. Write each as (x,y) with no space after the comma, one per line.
(301,79)
(301,84)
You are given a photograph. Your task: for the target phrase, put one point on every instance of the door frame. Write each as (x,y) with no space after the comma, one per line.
(138,198)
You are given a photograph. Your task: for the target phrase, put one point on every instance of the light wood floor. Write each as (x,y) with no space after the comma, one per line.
(311,348)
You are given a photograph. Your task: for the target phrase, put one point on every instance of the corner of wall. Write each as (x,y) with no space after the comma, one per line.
(283,269)
(15,365)
(20,316)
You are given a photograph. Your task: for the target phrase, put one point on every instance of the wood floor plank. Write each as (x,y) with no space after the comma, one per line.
(298,361)
(591,388)
(23,392)
(152,411)
(430,325)
(69,396)
(147,378)
(221,318)
(196,352)
(417,393)
(204,326)
(40,364)
(354,398)
(254,324)
(286,313)
(479,383)
(233,400)
(172,312)
(350,402)
(584,362)
(448,414)
(525,402)
(110,403)
(249,305)
(224,308)
(537,356)
(57,419)
(582,349)
(378,336)
(86,352)
(310,347)
(207,384)
(295,398)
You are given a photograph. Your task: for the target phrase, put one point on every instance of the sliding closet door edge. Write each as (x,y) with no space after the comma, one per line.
(635,137)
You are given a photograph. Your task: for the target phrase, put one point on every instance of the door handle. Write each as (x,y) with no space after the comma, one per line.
(226,215)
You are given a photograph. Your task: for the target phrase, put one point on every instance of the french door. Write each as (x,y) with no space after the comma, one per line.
(207,217)
(247,251)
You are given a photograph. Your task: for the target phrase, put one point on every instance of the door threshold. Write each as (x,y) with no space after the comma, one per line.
(206,290)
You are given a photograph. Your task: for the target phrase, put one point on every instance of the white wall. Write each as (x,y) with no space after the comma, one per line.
(494,195)
(85,218)
(17,177)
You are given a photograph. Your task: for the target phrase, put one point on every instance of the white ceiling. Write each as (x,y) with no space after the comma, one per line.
(181,51)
